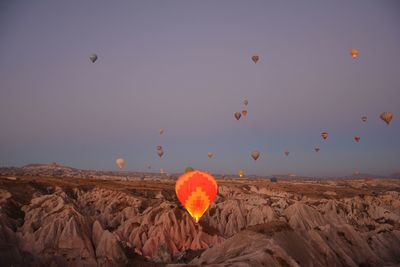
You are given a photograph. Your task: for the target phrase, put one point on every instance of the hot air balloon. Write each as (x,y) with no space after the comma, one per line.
(238,115)
(316,149)
(210,154)
(161,131)
(240,172)
(196,190)
(255,58)
(255,154)
(324,135)
(162,171)
(93,58)
(386,117)
(159,147)
(160,153)
(286,153)
(245,102)
(354,53)
(357,138)
(244,112)
(364,118)
(120,163)
(188,169)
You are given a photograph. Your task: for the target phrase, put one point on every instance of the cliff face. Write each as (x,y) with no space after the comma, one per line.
(48,223)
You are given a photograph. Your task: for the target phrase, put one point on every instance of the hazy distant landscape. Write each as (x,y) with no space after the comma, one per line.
(53,215)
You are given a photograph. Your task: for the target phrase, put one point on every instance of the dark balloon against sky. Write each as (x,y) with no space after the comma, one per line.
(185,66)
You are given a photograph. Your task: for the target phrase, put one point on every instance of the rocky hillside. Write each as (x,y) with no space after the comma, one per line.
(79,222)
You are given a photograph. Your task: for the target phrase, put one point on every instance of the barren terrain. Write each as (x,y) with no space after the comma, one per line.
(66,221)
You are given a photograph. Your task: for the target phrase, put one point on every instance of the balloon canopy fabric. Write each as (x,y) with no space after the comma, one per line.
(196,190)
(210,154)
(354,53)
(120,163)
(244,112)
(324,135)
(255,154)
(240,172)
(238,115)
(357,138)
(255,58)
(93,58)
(386,117)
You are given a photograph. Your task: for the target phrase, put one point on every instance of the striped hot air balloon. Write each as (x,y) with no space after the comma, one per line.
(196,190)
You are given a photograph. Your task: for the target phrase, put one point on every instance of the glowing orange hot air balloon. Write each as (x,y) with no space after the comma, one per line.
(354,53)
(196,190)
(357,138)
(324,135)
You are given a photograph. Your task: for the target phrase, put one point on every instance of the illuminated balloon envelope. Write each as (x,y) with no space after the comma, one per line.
(255,154)
(386,117)
(354,53)
(210,154)
(240,172)
(93,58)
(357,138)
(120,163)
(255,58)
(324,135)
(238,115)
(196,190)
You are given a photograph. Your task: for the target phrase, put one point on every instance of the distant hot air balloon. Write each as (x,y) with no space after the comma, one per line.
(386,117)
(324,135)
(255,58)
(244,112)
(354,53)
(93,58)
(188,169)
(210,154)
(160,153)
(255,154)
(159,147)
(196,190)
(357,138)
(316,149)
(286,153)
(245,102)
(162,171)
(161,131)
(364,118)
(120,163)
(238,115)
(240,172)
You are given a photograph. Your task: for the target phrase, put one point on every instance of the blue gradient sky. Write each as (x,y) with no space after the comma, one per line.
(185,66)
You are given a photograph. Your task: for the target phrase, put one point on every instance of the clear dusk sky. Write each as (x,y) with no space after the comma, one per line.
(185,66)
